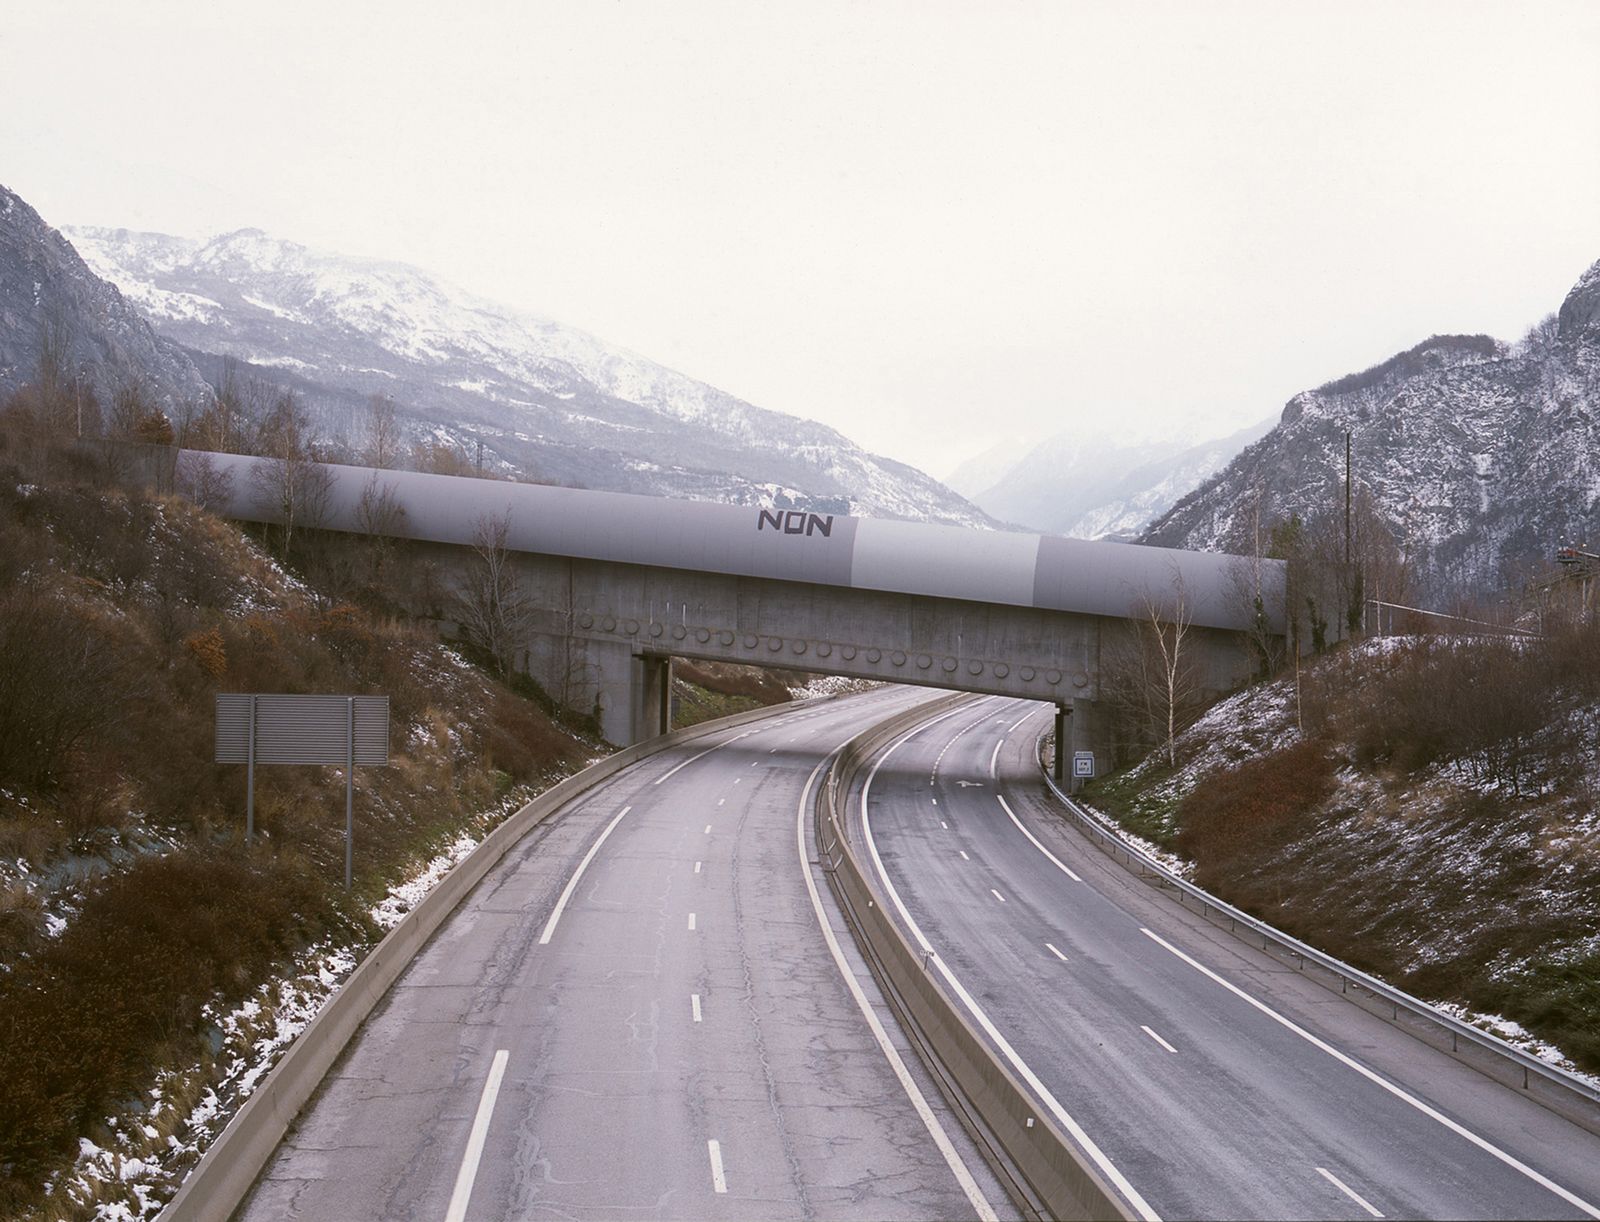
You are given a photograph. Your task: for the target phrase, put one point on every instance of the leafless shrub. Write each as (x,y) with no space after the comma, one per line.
(492,606)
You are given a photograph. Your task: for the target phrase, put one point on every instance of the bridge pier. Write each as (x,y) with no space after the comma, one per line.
(652,696)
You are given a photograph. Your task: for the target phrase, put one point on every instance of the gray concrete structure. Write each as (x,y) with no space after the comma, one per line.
(620,584)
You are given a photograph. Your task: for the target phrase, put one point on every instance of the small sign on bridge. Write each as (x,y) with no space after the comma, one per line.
(341,731)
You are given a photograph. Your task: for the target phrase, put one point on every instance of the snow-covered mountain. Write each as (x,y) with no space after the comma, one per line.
(45,287)
(1093,486)
(1481,457)
(541,398)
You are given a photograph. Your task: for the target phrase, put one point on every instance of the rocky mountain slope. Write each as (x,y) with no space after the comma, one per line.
(1093,487)
(1481,457)
(540,397)
(47,291)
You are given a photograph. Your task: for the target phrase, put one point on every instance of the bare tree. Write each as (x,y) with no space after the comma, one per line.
(492,606)
(52,379)
(1165,620)
(380,516)
(384,433)
(200,480)
(294,484)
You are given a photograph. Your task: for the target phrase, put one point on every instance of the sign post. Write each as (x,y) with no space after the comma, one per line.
(341,731)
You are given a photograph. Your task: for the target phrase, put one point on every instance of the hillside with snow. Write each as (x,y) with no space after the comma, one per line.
(1480,457)
(541,399)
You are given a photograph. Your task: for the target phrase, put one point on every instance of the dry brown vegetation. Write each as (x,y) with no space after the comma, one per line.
(1436,824)
(122,613)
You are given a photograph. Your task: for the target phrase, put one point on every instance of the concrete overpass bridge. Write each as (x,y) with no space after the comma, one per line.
(616,585)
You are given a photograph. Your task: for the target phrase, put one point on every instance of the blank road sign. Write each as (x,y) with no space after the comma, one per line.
(302,729)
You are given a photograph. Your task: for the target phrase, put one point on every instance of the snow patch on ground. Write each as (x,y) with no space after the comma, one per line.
(832,685)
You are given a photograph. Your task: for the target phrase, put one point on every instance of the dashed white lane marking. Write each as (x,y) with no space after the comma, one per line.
(963,853)
(944,825)
(457,1211)
(1348,1191)
(737,779)
(720,801)
(770,751)
(993,758)
(666,775)
(694,1005)
(1043,1092)
(708,829)
(1055,952)
(718,1182)
(997,895)
(697,867)
(980,1204)
(691,920)
(1056,861)
(1488,1147)
(936,801)
(572,883)
(1157,1038)
(1013,727)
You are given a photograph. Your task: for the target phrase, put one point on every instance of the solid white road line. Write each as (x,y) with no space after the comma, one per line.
(1054,860)
(694,1005)
(997,895)
(1157,1038)
(993,758)
(572,883)
(980,1204)
(1055,952)
(691,920)
(1020,720)
(702,755)
(1095,1153)
(1483,1144)
(480,1133)
(718,1182)
(1348,1191)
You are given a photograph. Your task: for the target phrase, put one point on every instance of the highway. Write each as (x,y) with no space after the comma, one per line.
(640,1013)
(1204,1079)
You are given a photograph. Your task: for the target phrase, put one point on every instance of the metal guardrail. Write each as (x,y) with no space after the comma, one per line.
(224,1176)
(1562,1092)
(1042,1168)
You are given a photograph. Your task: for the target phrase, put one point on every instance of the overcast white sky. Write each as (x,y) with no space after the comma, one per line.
(928,224)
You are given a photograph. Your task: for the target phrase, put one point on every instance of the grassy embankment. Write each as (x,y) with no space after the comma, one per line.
(131,913)
(1435,823)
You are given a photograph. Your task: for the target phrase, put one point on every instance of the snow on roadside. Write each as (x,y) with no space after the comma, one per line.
(832,685)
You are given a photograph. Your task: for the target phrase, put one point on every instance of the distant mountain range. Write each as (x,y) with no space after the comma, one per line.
(1481,457)
(1092,486)
(541,399)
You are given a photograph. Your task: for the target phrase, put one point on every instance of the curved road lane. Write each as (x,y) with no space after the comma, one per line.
(636,1015)
(1210,1080)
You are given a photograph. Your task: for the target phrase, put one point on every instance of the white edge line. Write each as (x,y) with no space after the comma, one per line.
(1488,1147)
(980,1204)
(1056,861)
(1348,1191)
(1157,1038)
(480,1133)
(714,1148)
(993,758)
(1095,1153)
(572,883)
